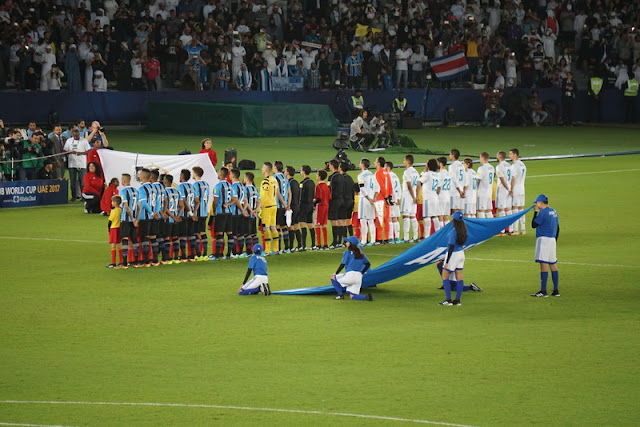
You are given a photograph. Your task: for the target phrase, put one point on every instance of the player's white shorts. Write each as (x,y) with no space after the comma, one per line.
(457,202)
(484,203)
(470,206)
(518,200)
(546,250)
(445,205)
(503,199)
(394,211)
(366,210)
(431,207)
(408,207)
(255,282)
(456,262)
(351,280)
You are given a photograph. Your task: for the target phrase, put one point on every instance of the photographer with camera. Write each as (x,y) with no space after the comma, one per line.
(8,152)
(492,107)
(97,132)
(359,136)
(30,151)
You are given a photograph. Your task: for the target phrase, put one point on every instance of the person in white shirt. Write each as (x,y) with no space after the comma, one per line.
(444,196)
(499,83)
(503,193)
(410,179)
(99,82)
(394,208)
(308,57)
(77,149)
(237,57)
(48,59)
(456,171)
(54,77)
(430,187)
(369,189)
(518,175)
(486,175)
(358,132)
(402,67)
(417,61)
(186,37)
(208,8)
(470,189)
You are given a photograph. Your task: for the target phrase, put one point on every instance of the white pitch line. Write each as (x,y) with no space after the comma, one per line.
(244,408)
(50,240)
(582,173)
(31,425)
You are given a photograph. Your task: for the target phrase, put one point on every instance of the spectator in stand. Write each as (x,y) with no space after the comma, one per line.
(92,189)
(152,71)
(480,75)
(569,90)
(205,146)
(99,82)
(402,64)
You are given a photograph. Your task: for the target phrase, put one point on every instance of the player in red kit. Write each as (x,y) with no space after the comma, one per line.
(321,200)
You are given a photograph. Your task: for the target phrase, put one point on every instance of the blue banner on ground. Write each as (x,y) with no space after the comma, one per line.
(16,194)
(427,252)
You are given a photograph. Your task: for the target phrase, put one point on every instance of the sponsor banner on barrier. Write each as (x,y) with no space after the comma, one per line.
(290,83)
(16,194)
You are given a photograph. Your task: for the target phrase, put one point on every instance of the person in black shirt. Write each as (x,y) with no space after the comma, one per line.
(348,196)
(307,193)
(335,204)
(295,210)
(45,172)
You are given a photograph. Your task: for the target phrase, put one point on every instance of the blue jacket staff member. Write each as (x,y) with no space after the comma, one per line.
(356,264)
(260,280)
(454,260)
(545,222)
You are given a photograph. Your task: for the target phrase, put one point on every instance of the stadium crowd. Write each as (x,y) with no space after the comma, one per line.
(165,220)
(99,45)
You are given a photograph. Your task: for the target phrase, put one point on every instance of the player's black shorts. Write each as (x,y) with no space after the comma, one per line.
(249,226)
(128,231)
(281,219)
(347,210)
(145,227)
(170,229)
(295,215)
(155,229)
(335,209)
(236,224)
(185,227)
(223,223)
(305,214)
(201,225)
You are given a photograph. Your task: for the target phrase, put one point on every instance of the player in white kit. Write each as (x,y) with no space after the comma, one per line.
(456,171)
(369,189)
(486,175)
(444,197)
(409,204)
(430,187)
(470,189)
(518,175)
(394,209)
(503,193)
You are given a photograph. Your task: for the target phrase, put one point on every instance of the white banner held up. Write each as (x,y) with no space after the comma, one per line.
(115,163)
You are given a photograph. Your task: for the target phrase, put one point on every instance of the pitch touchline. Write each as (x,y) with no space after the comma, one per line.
(582,173)
(31,425)
(50,240)
(244,408)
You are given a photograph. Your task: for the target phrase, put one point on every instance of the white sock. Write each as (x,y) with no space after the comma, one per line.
(364,230)
(501,214)
(372,230)
(522,224)
(416,228)
(396,229)
(489,214)
(427,227)
(405,226)
(446,221)
(472,215)
(481,215)
(436,223)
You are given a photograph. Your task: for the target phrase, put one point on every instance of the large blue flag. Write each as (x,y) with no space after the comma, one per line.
(427,252)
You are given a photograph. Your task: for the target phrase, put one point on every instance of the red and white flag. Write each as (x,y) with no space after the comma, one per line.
(449,67)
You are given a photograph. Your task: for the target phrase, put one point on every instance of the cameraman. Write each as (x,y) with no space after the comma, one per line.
(359,136)
(378,128)
(8,152)
(30,151)
(492,106)
(97,132)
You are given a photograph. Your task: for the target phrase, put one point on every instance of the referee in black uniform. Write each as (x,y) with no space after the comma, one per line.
(307,194)
(294,187)
(335,204)
(348,197)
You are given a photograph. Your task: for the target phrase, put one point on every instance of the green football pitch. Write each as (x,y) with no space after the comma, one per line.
(81,345)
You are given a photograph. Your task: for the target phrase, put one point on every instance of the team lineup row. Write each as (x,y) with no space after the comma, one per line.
(164,218)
